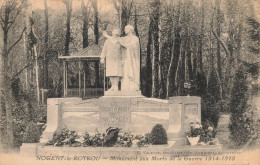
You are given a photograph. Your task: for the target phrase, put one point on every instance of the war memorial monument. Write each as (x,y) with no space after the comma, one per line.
(124,108)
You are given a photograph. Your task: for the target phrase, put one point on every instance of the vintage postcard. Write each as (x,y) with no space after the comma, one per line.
(130,82)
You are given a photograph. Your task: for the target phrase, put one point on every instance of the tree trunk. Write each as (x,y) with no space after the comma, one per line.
(126,8)
(201,37)
(95,21)
(174,58)
(181,68)
(156,48)
(219,67)
(189,63)
(148,65)
(2,114)
(9,116)
(85,16)
(124,16)
(160,74)
(46,42)
(170,53)
(36,73)
(135,24)
(68,4)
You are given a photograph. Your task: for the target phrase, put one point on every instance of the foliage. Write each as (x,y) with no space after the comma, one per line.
(127,140)
(208,132)
(65,138)
(158,135)
(32,133)
(73,139)
(96,140)
(195,129)
(211,101)
(210,110)
(243,126)
(243,116)
(205,131)
(185,29)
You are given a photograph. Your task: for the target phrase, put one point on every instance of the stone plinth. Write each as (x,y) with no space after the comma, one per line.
(133,114)
(114,153)
(54,118)
(123,93)
(182,110)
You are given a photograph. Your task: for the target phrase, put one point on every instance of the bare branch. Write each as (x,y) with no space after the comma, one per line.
(30,64)
(130,8)
(16,42)
(12,22)
(221,42)
(116,6)
(2,18)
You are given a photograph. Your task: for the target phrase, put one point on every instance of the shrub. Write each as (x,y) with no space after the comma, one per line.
(243,126)
(243,116)
(210,110)
(32,133)
(158,135)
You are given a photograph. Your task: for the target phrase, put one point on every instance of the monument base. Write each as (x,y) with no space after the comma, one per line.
(132,114)
(118,153)
(123,93)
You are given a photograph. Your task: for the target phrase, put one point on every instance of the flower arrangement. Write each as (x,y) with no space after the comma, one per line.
(193,135)
(197,133)
(208,133)
(195,129)
(127,140)
(67,138)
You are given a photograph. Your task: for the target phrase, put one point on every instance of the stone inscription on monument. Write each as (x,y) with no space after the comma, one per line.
(191,109)
(114,114)
(191,114)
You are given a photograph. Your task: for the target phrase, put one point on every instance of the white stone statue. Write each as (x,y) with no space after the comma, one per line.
(114,65)
(131,60)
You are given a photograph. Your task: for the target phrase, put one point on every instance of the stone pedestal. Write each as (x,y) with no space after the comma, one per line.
(183,110)
(54,120)
(123,93)
(29,149)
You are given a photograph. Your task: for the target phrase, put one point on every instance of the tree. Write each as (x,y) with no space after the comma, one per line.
(85,14)
(171,75)
(148,63)
(96,33)
(240,130)
(218,25)
(155,5)
(46,43)
(68,4)
(124,9)
(10,10)
(200,48)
